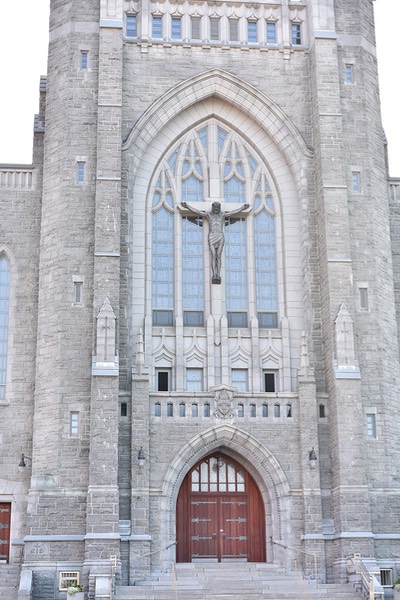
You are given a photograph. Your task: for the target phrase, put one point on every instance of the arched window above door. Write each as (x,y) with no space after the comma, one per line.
(217,474)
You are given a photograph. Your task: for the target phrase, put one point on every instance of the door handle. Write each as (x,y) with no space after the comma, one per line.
(214,536)
(222,532)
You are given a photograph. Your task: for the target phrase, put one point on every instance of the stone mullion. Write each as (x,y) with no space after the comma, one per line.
(102,538)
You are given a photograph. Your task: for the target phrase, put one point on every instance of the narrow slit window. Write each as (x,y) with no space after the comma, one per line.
(84,60)
(364,298)
(157,27)
(176,28)
(170,409)
(206,409)
(74,423)
(240,410)
(233,30)
(214,29)
(124,409)
(195,410)
(80,172)
(356,181)
(265,410)
(4,309)
(371,426)
(289,410)
(182,409)
(277,410)
(296,34)
(271,33)
(78,286)
(349,73)
(322,413)
(157,409)
(253,410)
(131,26)
(196,28)
(252,37)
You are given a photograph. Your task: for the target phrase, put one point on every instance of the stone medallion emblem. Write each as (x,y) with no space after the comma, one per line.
(224,404)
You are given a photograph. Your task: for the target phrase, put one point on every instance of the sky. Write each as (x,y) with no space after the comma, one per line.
(23,58)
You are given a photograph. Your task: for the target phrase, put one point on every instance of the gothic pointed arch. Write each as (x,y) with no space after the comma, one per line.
(220,84)
(255,457)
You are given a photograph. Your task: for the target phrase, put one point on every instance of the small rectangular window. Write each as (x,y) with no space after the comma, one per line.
(68,578)
(182,409)
(271,33)
(387,577)
(124,409)
(356,181)
(269,382)
(252,32)
(194,380)
(74,423)
(196,28)
(206,410)
(233,30)
(237,319)
(170,409)
(163,318)
(239,378)
(176,28)
(267,320)
(296,34)
(322,413)
(371,425)
(193,318)
(78,292)
(131,26)
(363,298)
(214,28)
(157,28)
(349,74)
(84,60)
(80,172)
(195,410)
(163,380)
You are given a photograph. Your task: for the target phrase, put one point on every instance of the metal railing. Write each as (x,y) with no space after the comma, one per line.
(312,555)
(369,579)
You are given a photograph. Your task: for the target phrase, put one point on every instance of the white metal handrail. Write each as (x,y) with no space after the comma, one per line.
(311,554)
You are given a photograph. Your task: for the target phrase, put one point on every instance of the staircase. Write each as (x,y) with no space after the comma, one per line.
(233,581)
(9,580)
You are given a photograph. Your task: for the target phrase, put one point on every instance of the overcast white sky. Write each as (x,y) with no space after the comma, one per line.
(23,57)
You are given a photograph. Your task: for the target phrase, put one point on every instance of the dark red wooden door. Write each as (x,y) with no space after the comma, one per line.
(220,513)
(5,522)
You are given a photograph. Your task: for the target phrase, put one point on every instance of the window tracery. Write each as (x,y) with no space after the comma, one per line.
(212,162)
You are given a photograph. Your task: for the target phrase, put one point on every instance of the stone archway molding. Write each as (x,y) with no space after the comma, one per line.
(231,89)
(255,457)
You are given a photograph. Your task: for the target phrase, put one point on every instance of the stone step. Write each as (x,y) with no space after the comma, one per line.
(250,581)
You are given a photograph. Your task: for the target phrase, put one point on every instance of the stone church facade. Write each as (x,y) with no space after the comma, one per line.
(198,276)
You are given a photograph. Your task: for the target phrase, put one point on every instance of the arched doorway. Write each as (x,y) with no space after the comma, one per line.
(220,513)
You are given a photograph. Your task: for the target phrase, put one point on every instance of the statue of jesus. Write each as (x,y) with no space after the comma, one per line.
(216,237)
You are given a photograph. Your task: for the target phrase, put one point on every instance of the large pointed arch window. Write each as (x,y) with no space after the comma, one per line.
(4,311)
(213,163)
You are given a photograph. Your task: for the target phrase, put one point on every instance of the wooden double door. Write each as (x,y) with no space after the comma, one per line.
(220,514)
(5,524)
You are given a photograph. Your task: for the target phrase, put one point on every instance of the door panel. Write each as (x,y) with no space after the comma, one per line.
(203,526)
(233,527)
(5,522)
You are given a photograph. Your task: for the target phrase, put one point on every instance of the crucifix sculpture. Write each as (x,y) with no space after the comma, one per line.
(216,236)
